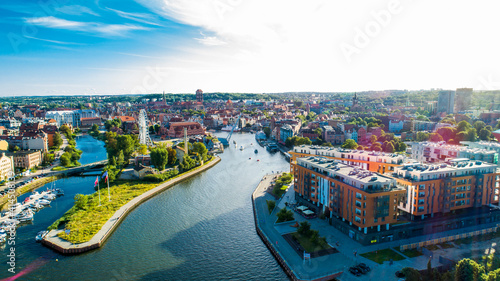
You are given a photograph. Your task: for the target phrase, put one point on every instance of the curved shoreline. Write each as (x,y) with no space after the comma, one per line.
(55,242)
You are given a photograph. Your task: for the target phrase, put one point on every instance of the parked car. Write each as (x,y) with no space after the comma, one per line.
(364,266)
(354,271)
(362,269)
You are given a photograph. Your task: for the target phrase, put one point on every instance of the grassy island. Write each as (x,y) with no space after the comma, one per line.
(86,217)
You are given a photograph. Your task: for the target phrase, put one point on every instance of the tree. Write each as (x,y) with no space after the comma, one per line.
(201,149)
(95,128)
(494,275)
(484,134)
(58,141)
(463,126)
(422,136)
(435,137)
(267,131)
(447,133)
(373,138)
(284,215)
(401,147)
(318,131)
(143,149)
(411,274)
(478,125)
(350,144)
(187,163)
(304,228)
(120,160)
(126,144)
(172,156)
(159,157)
(468,270)
(112,172)
(270,205)
(389,147)
(65,159)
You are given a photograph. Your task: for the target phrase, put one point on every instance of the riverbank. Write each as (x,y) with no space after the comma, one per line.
(52,240)
(25,189)
(321,268)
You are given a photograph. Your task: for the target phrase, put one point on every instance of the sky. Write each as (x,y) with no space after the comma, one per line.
(92,47)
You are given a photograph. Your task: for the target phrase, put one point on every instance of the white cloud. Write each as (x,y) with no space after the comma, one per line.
(291,45)
(76,10)
(139,17)
(88,27)
(210,40)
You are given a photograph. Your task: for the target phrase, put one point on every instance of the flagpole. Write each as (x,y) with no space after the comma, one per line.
(99,191)
(109,196)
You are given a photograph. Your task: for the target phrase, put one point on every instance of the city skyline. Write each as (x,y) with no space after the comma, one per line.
(142,47)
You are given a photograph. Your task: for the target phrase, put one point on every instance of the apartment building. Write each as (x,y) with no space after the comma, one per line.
(6,166)
(443,188)
(364,199)
(26,159)
(373,161)
(435,152)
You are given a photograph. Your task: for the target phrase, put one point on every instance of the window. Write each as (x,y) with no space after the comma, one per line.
(375,220)
(420,209)
(421,201)
(358,204)
(421,187)
(421,194)
(358,195)
(357,219)
(358,211)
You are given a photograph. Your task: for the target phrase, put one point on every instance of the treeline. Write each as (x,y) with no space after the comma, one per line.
(71,155)
(465,270)
(464,131)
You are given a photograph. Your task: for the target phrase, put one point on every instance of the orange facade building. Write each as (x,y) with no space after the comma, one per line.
(365,199)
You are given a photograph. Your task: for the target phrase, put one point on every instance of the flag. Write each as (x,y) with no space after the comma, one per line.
(105,176)
(96,181)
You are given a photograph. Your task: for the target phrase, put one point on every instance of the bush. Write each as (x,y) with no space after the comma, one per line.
(161,177)
(284,215)
(270,205)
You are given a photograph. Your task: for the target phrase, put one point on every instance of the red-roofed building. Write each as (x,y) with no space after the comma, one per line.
(126,118)
(193,128)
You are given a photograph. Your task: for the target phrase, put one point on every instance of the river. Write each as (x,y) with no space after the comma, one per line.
(201,229)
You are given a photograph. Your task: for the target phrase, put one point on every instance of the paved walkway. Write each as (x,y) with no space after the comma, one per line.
(63,246)
(315,268)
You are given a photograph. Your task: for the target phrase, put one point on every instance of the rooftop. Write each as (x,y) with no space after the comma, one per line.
(354,176)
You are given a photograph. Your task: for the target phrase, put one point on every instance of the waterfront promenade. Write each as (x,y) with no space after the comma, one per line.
(55,242)
(320,268)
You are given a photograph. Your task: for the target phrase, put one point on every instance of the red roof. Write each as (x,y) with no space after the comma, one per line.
(126,118)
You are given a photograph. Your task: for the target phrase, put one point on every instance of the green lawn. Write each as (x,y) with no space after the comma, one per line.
(463,241)
(432,247)
(412,253)
(86,220)
(446,245)
(383,255)
(59,168)
(308,246)
(278,192)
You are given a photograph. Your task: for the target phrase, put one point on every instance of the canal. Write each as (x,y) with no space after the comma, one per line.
(201,229)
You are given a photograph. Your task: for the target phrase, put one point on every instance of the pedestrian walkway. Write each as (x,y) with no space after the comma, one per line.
(320,268)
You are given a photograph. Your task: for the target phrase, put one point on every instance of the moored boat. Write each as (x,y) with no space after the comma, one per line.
(40,235)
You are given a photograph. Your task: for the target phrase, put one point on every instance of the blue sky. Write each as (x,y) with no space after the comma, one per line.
(143,46)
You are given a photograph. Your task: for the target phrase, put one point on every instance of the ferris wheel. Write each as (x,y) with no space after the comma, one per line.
(143,129)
